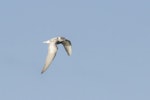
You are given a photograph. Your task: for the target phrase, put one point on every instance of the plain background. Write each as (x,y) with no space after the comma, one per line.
(110,41)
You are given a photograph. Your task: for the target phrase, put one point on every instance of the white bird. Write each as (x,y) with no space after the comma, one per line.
(52,50)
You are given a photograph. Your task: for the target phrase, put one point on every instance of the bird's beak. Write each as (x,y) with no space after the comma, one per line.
(46,41)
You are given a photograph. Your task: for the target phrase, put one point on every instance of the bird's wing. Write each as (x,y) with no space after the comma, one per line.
(49,59)
(67,46)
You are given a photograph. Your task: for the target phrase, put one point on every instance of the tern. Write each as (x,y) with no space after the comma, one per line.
(52,50)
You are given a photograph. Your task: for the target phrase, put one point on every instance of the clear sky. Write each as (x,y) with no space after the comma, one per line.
(111,49)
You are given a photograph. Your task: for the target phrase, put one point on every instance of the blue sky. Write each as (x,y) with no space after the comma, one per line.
(111,52)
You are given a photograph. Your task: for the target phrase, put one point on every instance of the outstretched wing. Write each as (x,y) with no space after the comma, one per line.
(67,45)
(50,56)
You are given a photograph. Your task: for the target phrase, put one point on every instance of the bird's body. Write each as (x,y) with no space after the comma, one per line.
(52,49)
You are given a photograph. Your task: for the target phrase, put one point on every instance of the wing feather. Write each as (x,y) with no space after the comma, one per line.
(50,57)
(67,46)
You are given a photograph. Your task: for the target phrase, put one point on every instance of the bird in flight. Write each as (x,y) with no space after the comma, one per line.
(52,50)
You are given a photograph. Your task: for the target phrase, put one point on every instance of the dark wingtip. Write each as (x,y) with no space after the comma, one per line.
(42,72)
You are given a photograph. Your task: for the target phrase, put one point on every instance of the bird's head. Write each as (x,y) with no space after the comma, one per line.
(60,39)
